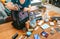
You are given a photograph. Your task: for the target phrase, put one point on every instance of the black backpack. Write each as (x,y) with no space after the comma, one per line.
(19,19)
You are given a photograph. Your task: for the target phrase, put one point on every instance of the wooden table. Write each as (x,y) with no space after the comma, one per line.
(39,30)
(7,31)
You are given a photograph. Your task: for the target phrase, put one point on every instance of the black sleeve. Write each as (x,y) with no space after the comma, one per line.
(14,1)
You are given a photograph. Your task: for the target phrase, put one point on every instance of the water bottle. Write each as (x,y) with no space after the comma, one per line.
(31,16)
(32,19)
(46,16)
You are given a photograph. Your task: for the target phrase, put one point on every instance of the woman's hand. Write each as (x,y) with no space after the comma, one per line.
(11,6)
(26,9)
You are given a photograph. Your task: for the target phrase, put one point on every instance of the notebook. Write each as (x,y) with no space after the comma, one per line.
(57,29)
(45,26)
(36,36)
(40,23)
(52,23)
(58,22)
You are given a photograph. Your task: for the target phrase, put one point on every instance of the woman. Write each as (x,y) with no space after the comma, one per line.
(25,4)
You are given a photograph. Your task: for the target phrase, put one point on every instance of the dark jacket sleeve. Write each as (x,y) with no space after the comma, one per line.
(29,2)
(14,1)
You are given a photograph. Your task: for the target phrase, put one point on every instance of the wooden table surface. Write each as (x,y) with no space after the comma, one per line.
(7,30)
(39,30)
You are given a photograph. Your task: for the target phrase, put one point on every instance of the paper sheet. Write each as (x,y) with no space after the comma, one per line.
(45,26)
(52,23)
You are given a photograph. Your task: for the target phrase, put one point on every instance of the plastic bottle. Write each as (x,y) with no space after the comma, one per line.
(32,19)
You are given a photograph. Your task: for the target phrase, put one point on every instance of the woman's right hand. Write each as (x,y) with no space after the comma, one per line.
(11,6)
